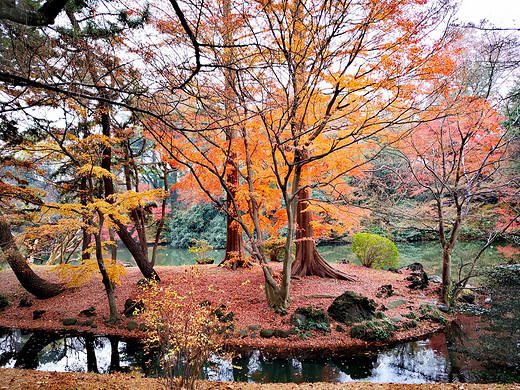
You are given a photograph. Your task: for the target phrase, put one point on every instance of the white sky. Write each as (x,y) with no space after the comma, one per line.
(502,13)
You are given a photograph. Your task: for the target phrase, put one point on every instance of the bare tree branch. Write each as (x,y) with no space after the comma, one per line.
(42,17)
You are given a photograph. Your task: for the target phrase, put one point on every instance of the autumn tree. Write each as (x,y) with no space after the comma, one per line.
(319,85)
(86,52)
(459,157)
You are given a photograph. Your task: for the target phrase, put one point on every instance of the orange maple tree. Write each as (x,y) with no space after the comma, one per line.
(318,86)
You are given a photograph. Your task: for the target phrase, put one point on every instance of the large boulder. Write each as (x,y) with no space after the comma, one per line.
(350,308)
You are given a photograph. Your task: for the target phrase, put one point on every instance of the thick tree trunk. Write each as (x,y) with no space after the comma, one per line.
(307,260)
(37,286)
(234,244)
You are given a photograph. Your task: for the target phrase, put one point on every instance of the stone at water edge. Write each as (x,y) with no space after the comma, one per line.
(266,333)
(69,321)
(283,334)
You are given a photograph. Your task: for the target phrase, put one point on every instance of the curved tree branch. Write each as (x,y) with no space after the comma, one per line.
(42,17)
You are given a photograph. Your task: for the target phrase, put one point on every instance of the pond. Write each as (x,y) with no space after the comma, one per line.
(428,253)
(436,359)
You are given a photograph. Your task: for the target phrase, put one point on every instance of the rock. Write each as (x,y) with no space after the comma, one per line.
(69,321)
(373,330)
(89,322)
(468,298)
(143,327)
(283,334)
(90,312)
(415,267)
(443,308)
(228,317)
(24,302)
(254,327)
(38,314)
(419,281)
(385,290)
(94,326)
(132,306)
(349,308)
(243,333)
(395,270)
(298,319)
(396,319)
(435,279)
(396,303)
(132,325)
(310,318)
(266,333)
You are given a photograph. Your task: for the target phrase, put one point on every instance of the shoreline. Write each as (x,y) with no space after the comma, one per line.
(241,291)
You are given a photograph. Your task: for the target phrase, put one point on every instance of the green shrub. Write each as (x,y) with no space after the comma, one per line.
(375,251)
(373,330)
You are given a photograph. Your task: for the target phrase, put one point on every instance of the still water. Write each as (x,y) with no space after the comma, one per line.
(427,253)
(430,360)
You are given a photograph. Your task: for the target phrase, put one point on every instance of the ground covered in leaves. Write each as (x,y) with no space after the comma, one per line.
(14,379)
(240,291)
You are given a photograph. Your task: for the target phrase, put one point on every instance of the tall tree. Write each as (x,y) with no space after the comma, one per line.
(318,83)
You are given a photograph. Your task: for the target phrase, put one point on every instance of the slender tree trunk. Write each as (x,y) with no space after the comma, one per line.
(34,284)
(446,276)
(109,286)
(139,253)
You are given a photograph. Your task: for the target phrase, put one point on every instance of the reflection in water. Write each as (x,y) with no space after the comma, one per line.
(432,360)
(57,352)
(411,363)
(414,362)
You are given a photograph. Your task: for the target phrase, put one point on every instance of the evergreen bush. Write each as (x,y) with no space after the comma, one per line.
(375,251)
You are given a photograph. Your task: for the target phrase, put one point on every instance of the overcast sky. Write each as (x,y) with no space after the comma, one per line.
(502,13)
